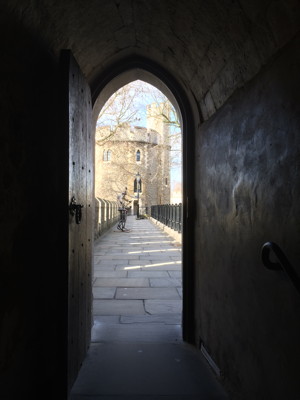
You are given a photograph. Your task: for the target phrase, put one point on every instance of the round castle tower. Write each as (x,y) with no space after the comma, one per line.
(121,153)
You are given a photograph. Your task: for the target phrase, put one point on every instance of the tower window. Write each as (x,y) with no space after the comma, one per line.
(106,155)
(138,155)
(135,186)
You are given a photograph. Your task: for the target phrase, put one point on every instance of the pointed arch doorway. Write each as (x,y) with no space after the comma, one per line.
(138,68)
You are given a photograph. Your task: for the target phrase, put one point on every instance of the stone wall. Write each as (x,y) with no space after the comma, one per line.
(112,176)
(106,215)
(237,62)
(247,186)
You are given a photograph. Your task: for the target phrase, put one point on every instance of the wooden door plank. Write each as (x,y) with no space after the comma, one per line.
(81,187)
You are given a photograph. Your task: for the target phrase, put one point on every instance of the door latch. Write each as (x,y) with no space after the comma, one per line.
(75,209)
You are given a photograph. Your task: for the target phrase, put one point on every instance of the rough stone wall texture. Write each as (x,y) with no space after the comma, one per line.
(248,186)
(212,48)
(111,176)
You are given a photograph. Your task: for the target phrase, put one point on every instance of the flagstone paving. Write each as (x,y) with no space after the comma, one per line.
(137,350)
(137,283)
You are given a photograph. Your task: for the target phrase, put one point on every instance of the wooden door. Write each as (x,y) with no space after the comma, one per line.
(79,125)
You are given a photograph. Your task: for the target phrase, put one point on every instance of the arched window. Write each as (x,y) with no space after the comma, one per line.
(135,189)
(106,155)
(138,155)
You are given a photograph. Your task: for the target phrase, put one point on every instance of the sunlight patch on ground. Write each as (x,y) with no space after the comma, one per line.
(153,265)
(161,241)
(148,236)
(152,251)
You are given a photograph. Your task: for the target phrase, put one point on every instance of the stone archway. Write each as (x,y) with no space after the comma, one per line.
(139,68)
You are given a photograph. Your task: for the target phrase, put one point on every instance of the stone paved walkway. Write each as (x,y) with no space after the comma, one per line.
(137,285)
(137,352)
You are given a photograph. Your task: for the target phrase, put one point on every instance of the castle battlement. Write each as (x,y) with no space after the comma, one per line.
(128,133)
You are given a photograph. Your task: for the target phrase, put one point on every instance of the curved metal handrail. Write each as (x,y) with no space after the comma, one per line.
(283,263)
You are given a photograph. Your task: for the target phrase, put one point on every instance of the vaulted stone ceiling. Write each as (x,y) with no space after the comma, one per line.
(212,47)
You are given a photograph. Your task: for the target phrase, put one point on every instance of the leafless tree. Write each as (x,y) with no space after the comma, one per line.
(127,106)
(123,112)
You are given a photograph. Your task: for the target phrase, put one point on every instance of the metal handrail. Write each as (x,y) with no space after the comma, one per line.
(283,263)
(169,215)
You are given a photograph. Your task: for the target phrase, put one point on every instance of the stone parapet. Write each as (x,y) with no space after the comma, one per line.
(129,134)
(106,215)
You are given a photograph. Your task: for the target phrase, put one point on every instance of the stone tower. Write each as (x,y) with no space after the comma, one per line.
(157,116)
(122,153)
